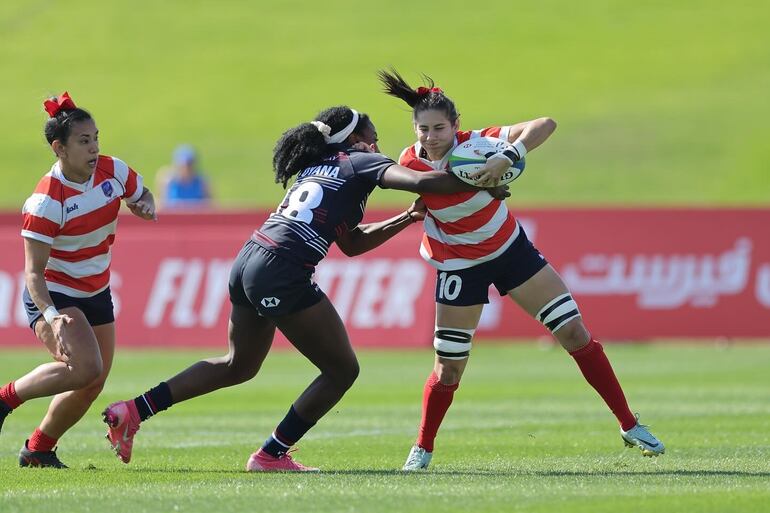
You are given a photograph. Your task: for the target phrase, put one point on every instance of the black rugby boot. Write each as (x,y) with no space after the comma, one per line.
(29,458)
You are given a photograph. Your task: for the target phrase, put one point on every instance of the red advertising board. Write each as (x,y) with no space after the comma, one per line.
(637,274)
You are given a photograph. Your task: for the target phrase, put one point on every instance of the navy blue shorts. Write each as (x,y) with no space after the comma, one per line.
(97,309)
(273,285)
(470,286)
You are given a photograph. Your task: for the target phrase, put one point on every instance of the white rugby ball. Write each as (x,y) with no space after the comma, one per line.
(469,157)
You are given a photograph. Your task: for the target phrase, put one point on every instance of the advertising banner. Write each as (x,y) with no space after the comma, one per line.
(636,274)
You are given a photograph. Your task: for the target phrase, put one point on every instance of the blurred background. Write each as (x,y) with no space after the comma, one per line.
(659,154)
(658,103)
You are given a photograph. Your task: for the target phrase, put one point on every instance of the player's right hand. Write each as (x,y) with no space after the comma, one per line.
(59,327)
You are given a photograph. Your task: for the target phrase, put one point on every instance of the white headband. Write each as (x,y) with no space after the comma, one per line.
(340,136)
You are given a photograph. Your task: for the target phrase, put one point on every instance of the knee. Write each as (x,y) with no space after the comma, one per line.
(85,374)
(350,375)
(240,371)
(453,344)
(573,335)
(92,391)
(346,375)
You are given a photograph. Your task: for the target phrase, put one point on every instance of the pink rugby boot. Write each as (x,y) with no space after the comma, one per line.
(261,461)
(122,421)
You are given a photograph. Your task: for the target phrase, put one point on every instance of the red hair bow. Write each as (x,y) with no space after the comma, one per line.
(63,102)
(422,91)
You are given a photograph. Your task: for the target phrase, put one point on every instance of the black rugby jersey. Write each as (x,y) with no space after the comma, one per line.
(325,201)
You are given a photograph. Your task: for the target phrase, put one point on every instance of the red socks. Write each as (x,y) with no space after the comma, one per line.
(39,441)
(598,372)
(9,397)
(436,398)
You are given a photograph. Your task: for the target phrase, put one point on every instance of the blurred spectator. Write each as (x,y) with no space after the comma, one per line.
(181,185)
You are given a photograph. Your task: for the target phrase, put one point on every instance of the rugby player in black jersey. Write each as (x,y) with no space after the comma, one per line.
(335,166)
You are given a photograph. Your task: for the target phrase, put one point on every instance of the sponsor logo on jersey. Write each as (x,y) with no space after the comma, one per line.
(270,302)
(72,208)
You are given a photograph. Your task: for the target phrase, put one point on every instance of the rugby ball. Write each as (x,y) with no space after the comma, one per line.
(468,157)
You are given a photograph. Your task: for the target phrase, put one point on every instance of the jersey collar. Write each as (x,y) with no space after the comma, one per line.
(438,165)
(57,173)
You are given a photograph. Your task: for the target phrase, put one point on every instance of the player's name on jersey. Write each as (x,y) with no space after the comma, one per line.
(330,171)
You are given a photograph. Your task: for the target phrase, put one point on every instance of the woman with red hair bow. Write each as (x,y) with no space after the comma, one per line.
(68,227)
(474,242)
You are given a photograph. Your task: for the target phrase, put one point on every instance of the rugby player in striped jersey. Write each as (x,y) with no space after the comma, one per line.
(68,227)
(474,242)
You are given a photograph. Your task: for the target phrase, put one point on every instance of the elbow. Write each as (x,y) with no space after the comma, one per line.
(549,124)
(33,276)
(349,250)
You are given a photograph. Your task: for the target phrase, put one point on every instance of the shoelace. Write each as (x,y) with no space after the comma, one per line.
(287,455)
(636,416)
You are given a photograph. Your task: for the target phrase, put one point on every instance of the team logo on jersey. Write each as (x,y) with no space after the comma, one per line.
(107,189)
(270,302)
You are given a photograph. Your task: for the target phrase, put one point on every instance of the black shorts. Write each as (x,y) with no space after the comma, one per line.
(273,285)
(97,309)
(470,286)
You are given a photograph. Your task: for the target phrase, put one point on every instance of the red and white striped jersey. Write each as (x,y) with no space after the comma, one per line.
(466,228)
(78,221)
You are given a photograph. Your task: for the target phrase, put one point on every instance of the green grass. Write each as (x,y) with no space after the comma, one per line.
(525,434)
(657,102)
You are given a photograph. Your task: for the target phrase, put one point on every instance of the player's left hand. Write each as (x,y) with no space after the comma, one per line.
(144,208)
(490,174)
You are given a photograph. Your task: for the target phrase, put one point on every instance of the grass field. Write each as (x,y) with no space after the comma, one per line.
(657,102)
(525,434)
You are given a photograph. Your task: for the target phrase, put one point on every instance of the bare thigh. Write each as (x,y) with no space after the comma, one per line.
(105,337)
(249,336)
(78,335)
(536,292)
(319,334)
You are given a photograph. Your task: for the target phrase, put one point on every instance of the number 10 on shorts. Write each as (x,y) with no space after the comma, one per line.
(449,286)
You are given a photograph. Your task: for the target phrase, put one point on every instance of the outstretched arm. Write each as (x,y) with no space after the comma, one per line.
(437,182)
(366,237)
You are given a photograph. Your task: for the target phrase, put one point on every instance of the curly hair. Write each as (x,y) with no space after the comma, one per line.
(304,145)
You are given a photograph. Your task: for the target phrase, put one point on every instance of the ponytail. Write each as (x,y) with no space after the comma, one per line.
(420,99)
